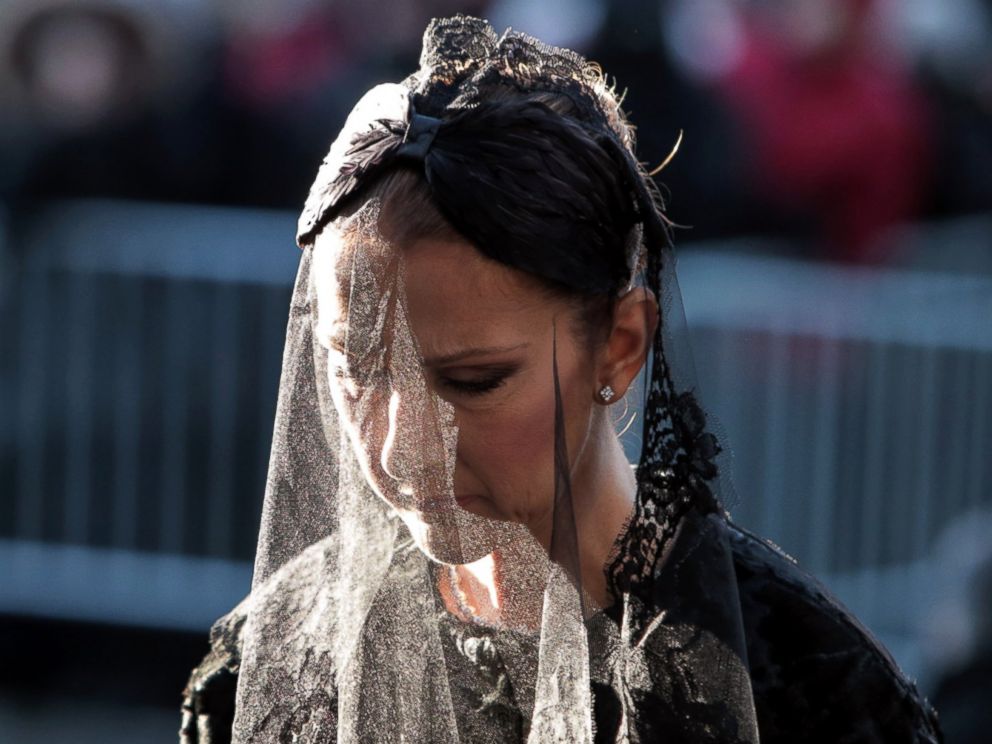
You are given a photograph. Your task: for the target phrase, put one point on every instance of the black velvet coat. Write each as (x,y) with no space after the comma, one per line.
(817,675)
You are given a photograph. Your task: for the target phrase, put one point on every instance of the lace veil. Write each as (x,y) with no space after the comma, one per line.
(350,634)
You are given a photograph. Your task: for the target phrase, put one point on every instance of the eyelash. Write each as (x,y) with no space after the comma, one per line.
(464,387)
(475,387)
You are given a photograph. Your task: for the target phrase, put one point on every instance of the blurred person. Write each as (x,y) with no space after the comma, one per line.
(951,39)
(80,64)
(707,183)
(839,136)
(100,103)
(282,70)
(289,73)
(950,42)
(275,53)
(454,546)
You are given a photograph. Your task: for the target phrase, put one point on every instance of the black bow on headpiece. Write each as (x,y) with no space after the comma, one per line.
(526,185)
(420,134)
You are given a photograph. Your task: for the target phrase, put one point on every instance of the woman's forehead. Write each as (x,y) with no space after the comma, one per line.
(457,297)
(454,271)
(349,264)
(454,296)
(351,282)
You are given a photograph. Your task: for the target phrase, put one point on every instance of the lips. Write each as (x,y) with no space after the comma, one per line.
(465,498)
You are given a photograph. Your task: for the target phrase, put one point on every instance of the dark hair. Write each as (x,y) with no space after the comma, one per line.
(590,202)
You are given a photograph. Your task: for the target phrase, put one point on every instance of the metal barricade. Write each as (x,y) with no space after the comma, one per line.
(141,353)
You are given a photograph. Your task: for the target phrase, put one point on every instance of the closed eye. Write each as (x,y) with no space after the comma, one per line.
(478,384)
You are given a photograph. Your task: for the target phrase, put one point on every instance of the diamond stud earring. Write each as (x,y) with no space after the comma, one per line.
(606,393)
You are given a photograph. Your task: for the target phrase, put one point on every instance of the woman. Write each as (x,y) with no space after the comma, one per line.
(453,547)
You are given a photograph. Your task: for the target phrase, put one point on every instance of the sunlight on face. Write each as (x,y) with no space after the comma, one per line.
(487,333)
(440,366)
(403,436)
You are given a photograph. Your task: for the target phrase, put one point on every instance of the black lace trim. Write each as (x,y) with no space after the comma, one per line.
(673,477)
(464,60)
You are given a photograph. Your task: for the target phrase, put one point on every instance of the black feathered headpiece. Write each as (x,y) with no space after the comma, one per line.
(551,194)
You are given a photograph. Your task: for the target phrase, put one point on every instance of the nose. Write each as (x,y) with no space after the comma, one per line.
(396,448)
(414,452)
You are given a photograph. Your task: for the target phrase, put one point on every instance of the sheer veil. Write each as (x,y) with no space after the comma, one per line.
(349,635)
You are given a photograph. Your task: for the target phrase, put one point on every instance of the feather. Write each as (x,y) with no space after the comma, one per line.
(369,153)
(535,189)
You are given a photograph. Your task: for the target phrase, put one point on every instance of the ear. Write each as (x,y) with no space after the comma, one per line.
(635,318)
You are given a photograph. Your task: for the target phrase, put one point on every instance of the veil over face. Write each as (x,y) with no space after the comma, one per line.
(403,434)
(351,635)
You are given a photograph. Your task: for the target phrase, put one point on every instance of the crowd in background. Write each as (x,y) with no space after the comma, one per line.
(829,120)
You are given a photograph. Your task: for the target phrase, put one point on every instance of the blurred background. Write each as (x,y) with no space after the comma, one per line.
(835,181)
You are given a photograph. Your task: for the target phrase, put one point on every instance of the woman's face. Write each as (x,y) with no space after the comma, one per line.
(441,370)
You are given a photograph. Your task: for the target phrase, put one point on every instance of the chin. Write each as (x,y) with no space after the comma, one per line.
(456,537)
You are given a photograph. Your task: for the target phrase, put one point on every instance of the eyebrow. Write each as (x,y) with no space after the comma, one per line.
(458,356)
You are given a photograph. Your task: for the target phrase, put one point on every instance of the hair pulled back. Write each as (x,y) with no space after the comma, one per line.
(555,202)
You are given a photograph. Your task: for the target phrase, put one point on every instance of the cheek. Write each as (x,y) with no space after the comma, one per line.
(508,452)
(364,421)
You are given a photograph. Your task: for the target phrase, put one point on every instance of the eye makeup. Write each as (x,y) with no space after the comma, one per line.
(484,380)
